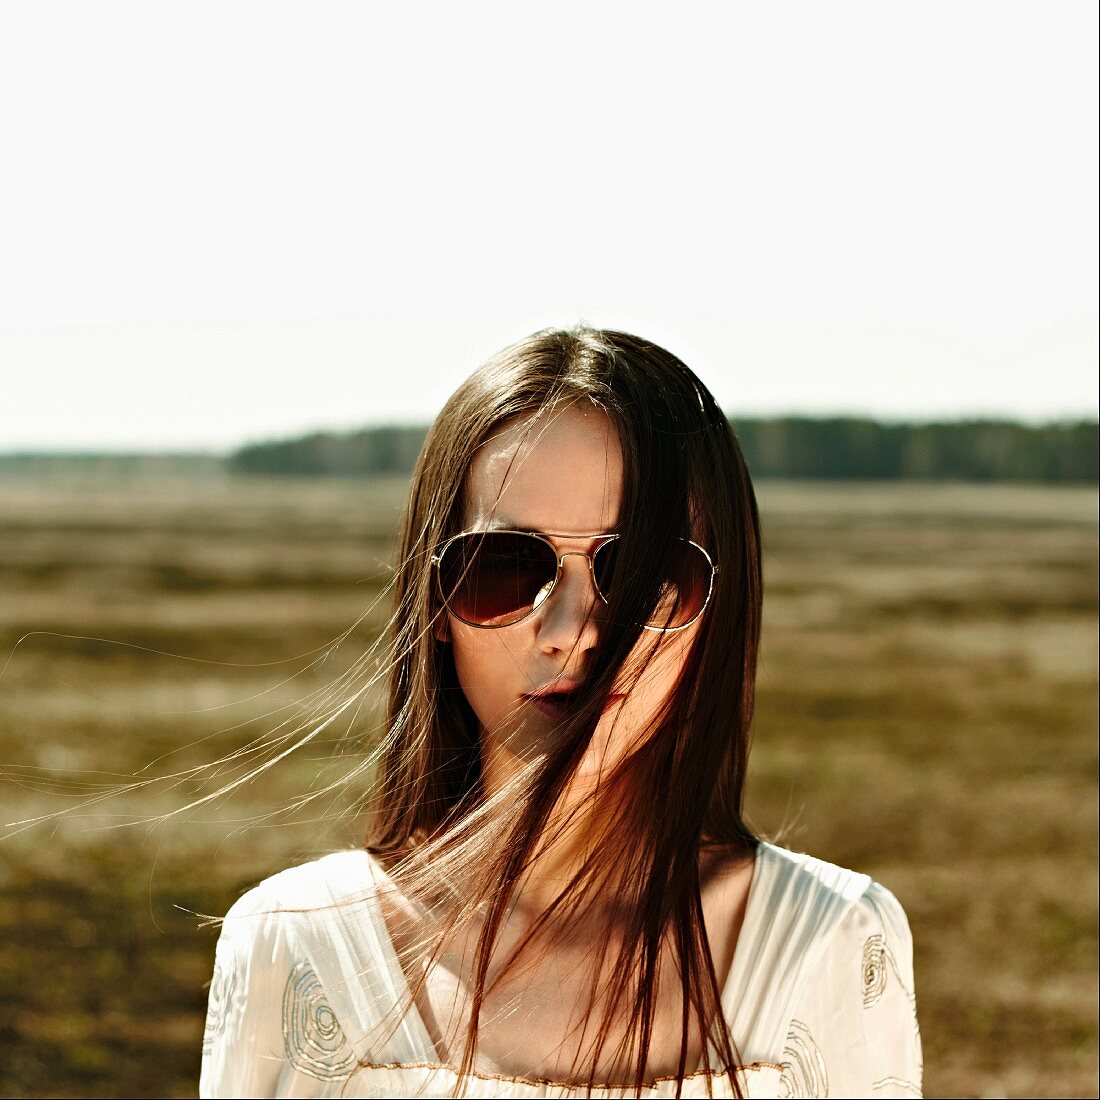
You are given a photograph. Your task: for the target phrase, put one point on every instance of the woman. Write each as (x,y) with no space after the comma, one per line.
(558,894)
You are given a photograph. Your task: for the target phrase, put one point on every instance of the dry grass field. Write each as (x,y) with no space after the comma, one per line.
(927,714)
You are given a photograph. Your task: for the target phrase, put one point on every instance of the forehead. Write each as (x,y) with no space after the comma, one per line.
(560,473)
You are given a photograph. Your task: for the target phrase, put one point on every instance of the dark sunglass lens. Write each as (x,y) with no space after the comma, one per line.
(685,590)
(496,578)
(603,566)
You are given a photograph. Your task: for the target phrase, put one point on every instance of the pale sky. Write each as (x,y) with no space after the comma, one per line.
(230,221)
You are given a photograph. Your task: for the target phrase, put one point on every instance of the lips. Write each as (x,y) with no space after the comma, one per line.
(553,705)
(556,704)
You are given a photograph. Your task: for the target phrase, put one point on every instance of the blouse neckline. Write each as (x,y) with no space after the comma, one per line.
(750,924)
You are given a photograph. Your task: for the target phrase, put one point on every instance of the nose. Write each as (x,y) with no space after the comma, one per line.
(568,619)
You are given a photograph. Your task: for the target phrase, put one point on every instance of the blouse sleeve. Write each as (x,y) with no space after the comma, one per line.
(854,1029)
(243,1051)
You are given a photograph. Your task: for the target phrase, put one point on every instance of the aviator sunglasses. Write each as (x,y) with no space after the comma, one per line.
(497,578)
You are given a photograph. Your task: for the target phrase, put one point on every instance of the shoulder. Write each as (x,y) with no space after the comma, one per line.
(878,912)
(803,877)
(846,926)
(876,931)
(289,897)
(800,954)
(337,873)
(850,1027)
(831,906)
(280,950)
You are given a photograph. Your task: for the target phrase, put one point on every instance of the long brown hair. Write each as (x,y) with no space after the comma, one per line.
(431,825)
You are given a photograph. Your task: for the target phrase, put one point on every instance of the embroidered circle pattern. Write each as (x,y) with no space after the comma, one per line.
(315,1042)
(874,969)
(804,1072)
(218,1004)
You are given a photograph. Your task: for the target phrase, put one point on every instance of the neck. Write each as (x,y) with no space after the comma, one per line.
(574,828)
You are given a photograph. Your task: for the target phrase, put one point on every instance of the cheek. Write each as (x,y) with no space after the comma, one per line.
(623,727)
(485,671)
(475,650)
(665,666)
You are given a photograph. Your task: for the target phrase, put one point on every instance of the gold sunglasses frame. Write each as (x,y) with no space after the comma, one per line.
(545,536)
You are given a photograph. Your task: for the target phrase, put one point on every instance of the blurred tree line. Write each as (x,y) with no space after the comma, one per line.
(386,449)
(965,450)
(789,446)
(795,447)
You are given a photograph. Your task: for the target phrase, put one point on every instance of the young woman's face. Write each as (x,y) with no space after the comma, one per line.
(566,478)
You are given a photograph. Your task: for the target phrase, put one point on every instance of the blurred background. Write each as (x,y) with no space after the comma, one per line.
(246,253)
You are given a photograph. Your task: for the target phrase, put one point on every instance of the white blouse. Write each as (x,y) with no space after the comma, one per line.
(819,997)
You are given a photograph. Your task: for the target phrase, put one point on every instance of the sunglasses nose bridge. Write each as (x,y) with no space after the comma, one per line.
(591,566)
